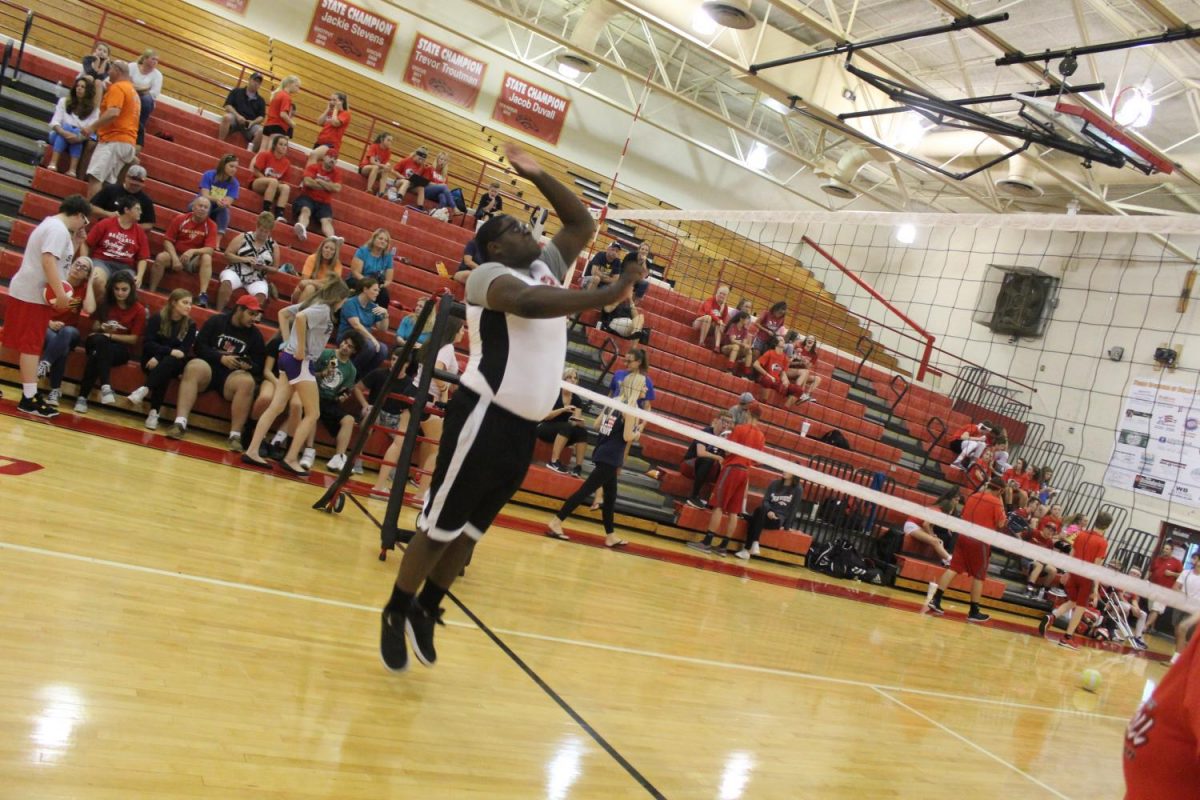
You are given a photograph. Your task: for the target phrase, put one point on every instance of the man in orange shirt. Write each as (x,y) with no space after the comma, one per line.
(971,556)
(116,128)
(1092,547)
(728,499)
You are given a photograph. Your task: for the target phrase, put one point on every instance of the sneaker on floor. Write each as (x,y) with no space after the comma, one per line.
(107,396)
(557,467)
(357,469)
(307,458)
(1046,622)
(412,482)
(336,463)
(1139,643)
(754,549)
(43,369)
(419,625)
(54,397)
(138,396)
(300,231)
(151,422)
(1068,643)
(719,552)
(804,398)
(177,431)
(695,502)
(1058,591)
(81,405)
(577,471)
(281,219)
(978,616)
(701,546)
(234,444)
(392,648)
(36,407)
(202,300)
(743,554)
(935,610)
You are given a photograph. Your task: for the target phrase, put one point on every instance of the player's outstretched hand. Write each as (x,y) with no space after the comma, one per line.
(629,278)
(521,161)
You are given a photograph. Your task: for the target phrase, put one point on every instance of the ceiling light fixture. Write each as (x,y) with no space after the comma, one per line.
(703,23)
(909,130)
(567,71)
(757,159)
(775,105)
(906,233)
(1133,107)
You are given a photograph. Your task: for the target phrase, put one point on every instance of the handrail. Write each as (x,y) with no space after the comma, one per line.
(858,348)
(935,438)
(8,48)
(24,38)
(900,393)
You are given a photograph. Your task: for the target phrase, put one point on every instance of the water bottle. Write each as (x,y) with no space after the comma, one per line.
(404,219)
(804,429)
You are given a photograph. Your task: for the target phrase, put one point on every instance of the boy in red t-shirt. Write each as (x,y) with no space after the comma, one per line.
(728,499)
(771,369)
(320,182)
(1164,570)
(1092,547)
(971,556)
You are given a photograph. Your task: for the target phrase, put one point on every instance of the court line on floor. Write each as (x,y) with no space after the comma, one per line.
(693,660)
(972,744)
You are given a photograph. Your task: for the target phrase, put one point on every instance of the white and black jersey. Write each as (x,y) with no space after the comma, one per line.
(516,363)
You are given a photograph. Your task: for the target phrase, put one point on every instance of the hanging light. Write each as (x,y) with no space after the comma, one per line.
(910,129)
(1133,107)
(703,23)
(567,71)
(757,158)
(906,233)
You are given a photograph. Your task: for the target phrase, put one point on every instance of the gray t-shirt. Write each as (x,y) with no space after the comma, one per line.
(319,319)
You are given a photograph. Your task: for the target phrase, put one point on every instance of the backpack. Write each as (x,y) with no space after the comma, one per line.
(887,545)
(459,202)
(835,438)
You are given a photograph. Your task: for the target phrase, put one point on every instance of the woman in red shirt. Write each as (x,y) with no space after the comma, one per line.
(334,122)
(62,334)
(281,110)
(802,370)
(116,332)
(374,164)
(771,370)
(270,168)
(713,315)
(410,174)
(737,343)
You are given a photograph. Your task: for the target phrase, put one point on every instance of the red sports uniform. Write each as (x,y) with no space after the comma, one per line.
(108,241)
(1162,742)
(1089,546)
(971,556)
(729,494)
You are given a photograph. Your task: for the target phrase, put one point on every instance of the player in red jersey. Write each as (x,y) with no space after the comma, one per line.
(971,556)
(728,499)
(1165,569)
(1092,547)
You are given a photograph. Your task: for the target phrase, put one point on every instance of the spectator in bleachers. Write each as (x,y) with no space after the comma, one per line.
(170,337)
(116,128)
(118,243)
(334,122)
(318,268)
(374,163)
(96,65)
(802,369)
(713,315)
(105,201)
(245,111)
(438,189)
(537,221)
(1014,484)
(771,369)
(147,81)
(375,259)
(336,383)
(490,204)
(1045,490)
(407,326)
(263,398)
(772,323)
(926,533)
(968,443)
(564,428)
(362,314)
(220,185)
(306,328)
(188,245)
(702,462)
(1089,546)
(72,114)
(409,174)
(1164,569)
(322,179)
(738,413)
(641,256)
(270,169)
(777,512)
(599,270)
(49,251)
(1130,606)
(737,347)
(117,328)
(971,556)
(62,333)
(637,362)
(728,500)
(468,262)
(229,361)
(250,258)
(626,320)
(615,431)
(281,110)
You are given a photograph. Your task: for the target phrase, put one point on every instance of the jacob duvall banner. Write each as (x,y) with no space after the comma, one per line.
(352,32)
(530,108)
(1157,451)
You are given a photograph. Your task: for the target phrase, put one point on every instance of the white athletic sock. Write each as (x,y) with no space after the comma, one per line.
(933,587)
(29,390)
(235,434)
(1140,628)
(279,438)
(181,422)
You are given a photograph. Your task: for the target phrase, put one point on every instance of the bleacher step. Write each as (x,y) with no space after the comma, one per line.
(888,421)
(869,399)
(26,105)
(864,384)
(36,87)
(904,442)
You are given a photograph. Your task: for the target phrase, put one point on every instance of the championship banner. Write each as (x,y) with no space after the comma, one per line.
(445,72)
(352,32)
(531,109)
(1157,452)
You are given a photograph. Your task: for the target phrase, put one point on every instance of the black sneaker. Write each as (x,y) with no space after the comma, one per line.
(577,471)
(935,610)
(37,407)
(1046,622)
(557,467)
(977,616)
(419,625)
(392,648)
(695,502)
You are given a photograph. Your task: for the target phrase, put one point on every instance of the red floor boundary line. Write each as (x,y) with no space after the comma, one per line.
(215,455)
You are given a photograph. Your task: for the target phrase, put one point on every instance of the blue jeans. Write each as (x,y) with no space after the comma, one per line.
(147,109)
(440,194)
(57,347)
(61,145)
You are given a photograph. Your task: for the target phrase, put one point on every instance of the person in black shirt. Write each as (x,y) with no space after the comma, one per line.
(643,257)
(777,512)
(701,462)
(245,111)
(230,354)
(96,65)
(490,204)
(105,201)
(600,270)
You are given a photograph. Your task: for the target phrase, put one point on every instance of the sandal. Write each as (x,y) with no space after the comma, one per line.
(299,473)
(562,537)
(616,544)
(254,462)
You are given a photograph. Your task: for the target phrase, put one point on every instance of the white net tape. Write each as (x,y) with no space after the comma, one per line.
(1103,575)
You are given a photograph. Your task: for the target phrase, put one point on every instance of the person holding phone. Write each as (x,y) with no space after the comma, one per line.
(117,329)
(564,427)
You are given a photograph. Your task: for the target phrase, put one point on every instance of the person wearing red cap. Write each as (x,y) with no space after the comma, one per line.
(971,556)
(728,499)
(230,353)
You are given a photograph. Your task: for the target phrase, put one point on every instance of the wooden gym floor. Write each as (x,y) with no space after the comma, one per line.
(174,628)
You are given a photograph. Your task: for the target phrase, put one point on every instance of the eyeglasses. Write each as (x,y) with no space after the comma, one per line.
(518,226)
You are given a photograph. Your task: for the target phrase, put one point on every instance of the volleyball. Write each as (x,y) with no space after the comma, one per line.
(49,293)
(1090,680)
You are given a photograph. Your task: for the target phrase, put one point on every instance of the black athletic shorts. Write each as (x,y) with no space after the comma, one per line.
(331,415)
(484,455)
